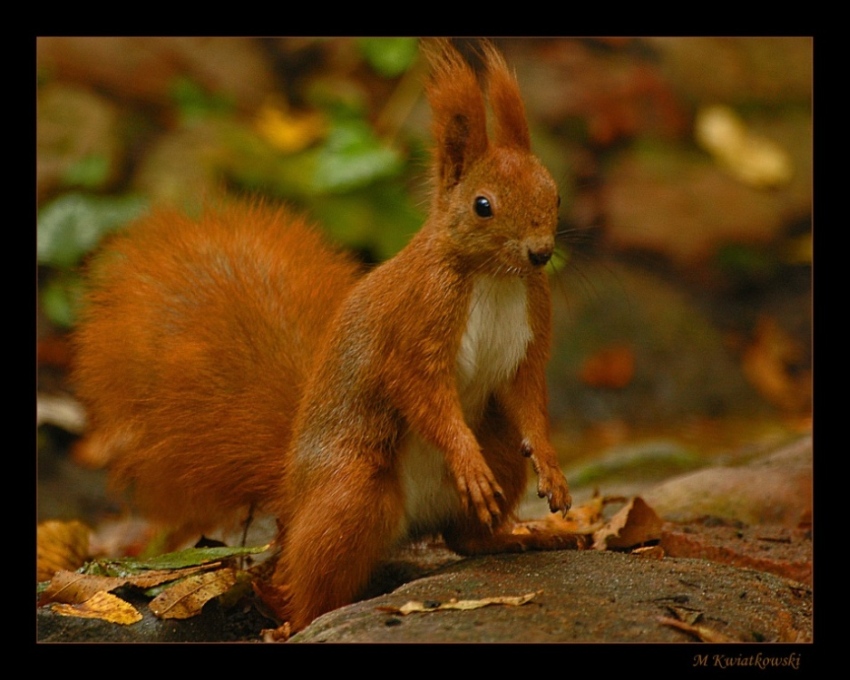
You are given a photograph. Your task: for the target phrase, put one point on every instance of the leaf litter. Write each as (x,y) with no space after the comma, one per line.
(631,528)
(186,580)
(414,606)
(182,582)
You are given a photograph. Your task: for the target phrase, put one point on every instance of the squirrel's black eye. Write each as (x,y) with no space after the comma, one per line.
(483,207)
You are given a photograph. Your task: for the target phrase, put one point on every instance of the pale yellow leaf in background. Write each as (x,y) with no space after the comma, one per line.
(752,159)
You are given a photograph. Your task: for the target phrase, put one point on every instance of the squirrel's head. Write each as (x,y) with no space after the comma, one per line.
(493,197)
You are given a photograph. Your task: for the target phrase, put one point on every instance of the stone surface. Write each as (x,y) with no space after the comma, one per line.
(774,549)
(774,489)
(583,596)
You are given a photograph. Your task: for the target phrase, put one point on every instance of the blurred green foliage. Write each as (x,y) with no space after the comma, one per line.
(90,172)
(347,177)
(73,224)
(352,157)
(743,263)
(193,101)
(389,56)
(69,228)
(59,298)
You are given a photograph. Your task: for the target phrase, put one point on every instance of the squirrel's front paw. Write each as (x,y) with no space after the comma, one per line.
(480,493)
(552,485)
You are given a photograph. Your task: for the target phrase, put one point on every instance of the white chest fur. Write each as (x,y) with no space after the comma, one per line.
(494,344)
(496,338)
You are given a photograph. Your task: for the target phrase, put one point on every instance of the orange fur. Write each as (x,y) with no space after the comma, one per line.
(239,361)
(192,352)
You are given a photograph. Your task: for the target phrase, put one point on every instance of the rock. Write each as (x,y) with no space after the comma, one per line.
(774,549)
(774,489)
(585,596)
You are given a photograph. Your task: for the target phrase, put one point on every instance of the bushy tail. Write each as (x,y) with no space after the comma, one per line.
(192,351)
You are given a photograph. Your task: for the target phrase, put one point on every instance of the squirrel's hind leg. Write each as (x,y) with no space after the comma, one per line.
(336,538)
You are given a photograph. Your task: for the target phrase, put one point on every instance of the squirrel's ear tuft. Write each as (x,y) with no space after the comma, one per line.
(510,124)
(459,118)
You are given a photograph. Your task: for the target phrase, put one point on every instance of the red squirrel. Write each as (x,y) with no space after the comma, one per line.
(238,360)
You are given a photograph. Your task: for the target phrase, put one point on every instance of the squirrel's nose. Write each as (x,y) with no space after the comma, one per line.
(540,255)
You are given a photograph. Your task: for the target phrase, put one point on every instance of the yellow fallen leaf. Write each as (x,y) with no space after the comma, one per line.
(60,546)
(103,606)
(416,606)
(289,132)
(186,598)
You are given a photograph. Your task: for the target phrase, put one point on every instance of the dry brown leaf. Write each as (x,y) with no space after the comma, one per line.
(416,606)
(582,520)
(702,633)
(104,606)
(689,616)
(632,526)
(156,577)
(611,367)
(766,365)
(279,634)
(70,587)
(186,598)
(60,546)
(73,588)
(587,516)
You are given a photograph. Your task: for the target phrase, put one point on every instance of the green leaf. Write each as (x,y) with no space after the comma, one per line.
(353,157)
(73,224)
(380,218)
(194,101)
(190,557)
(389,56)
